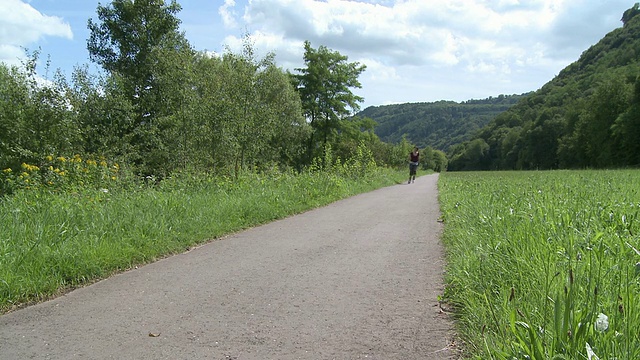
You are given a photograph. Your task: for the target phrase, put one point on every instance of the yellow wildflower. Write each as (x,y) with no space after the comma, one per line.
(62,159)
(49,158)
(7,170)
(50,168)
(103,163)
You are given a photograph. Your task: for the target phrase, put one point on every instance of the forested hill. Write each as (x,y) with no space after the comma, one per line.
(587,116)
(438,124)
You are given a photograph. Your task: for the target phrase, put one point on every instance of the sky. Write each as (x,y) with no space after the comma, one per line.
(413,50)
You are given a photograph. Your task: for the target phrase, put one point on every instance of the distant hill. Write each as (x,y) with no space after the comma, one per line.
(587,116)
(438,124)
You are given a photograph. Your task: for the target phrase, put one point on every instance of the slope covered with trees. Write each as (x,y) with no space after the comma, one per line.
(438,124)
(587,116)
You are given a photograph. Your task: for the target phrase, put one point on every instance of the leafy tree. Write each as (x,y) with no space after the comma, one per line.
(14,98)
(470,156)
(103,113)
(609,100)
(626,130)
(630,13)
(140,43)
(34,116)
(279,111)
(325,86)
(125,40)
(440,161)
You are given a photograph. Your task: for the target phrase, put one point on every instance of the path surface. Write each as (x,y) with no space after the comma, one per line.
(357,279)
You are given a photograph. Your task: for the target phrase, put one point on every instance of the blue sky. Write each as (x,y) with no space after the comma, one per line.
(414,50)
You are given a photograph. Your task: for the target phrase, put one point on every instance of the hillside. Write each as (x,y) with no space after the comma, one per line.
(587,116)
(438,124)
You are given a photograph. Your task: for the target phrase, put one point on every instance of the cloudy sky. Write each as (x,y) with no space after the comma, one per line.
(414,50)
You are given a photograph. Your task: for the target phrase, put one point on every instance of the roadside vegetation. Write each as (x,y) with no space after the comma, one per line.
(544,265)
(104,221)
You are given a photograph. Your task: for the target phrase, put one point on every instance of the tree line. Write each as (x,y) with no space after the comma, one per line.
(161,106)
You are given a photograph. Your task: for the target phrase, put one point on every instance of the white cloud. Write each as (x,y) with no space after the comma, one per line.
(21,26)
(411,32)
(228,14)
(517,43)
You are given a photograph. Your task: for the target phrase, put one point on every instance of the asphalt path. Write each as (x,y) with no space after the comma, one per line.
(358,279)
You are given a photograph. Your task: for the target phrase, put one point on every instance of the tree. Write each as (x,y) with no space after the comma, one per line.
(124,43)
(626,130)
(630,13)
(440,161)
(610,99)
(325,86)
(35,120)
(139,42)
(246,113)
(103,113)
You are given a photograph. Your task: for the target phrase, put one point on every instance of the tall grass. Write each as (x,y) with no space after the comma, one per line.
(544,265)
(51,241)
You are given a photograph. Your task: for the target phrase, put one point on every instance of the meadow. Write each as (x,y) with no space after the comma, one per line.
(544,264)
(74,221)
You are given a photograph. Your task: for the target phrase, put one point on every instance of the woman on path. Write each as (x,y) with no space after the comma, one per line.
(414,158)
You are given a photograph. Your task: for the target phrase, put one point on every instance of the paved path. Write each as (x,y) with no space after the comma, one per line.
(357,279)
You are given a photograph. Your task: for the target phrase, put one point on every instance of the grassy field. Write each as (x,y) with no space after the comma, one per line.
(544,265)
(50,242)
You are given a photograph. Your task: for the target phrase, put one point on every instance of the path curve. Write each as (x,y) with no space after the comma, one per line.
(358,279)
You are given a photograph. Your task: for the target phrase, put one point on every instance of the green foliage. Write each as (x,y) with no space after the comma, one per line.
(533,275)
(34,117)
(630,13)
(584,117)
(60,173)
(470,156)
(130,40)
(325,86)
(139,43)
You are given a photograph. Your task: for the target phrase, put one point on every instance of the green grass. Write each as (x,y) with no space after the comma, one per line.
(535,258)
(50,242)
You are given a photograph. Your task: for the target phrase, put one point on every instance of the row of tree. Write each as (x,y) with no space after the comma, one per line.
(161,106)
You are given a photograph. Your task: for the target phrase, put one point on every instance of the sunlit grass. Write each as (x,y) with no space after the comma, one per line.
(536,258)
(50,242)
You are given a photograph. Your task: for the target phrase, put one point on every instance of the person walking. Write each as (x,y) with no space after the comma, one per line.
(414,159)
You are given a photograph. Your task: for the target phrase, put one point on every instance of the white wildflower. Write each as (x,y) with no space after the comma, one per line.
(602,322)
